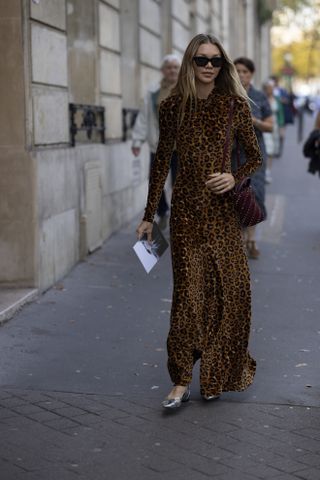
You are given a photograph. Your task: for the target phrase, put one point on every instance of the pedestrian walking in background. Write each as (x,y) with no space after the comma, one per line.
(146,127)
(311,148)
(285,99)
(263,122)
(211,307)
(272,139)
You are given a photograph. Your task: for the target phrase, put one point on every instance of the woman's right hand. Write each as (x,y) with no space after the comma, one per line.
(145,227)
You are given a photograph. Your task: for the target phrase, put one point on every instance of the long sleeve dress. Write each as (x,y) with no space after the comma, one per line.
(211,305)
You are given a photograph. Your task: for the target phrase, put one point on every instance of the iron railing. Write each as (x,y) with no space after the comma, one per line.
(129,116)
(90,120)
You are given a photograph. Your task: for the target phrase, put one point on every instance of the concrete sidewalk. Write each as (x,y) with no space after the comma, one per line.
(83,368)
(13,299)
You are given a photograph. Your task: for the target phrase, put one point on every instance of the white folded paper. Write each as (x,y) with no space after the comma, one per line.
(149,254)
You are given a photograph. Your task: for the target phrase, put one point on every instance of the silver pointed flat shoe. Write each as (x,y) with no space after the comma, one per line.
(177,401)
(209,398)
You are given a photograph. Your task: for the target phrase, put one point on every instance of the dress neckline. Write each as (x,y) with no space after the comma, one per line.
(205,99)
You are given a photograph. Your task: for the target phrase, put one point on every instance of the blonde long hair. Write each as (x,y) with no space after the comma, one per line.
(227,81)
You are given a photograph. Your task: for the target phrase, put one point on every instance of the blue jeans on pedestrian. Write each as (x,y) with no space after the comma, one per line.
(163,206)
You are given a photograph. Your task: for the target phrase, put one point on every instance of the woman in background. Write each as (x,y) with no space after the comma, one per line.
(262,121)
(272,139)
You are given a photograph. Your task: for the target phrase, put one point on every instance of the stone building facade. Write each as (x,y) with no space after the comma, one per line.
(58,202)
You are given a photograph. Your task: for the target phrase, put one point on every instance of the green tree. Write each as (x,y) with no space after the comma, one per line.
(294,5)
(266,12)
(305,57)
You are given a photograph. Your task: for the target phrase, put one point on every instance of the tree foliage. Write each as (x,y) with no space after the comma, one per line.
(266,13)
(305,58)
(289,10)
(294,5)
(304,52)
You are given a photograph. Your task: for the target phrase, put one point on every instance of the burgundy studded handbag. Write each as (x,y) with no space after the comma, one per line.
(249,211)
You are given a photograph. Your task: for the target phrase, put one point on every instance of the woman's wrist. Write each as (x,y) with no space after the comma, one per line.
(147,218)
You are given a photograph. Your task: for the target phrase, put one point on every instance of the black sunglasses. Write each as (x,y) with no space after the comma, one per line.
(203,61)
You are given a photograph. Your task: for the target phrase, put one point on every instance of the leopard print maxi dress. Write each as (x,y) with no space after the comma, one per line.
(211,306)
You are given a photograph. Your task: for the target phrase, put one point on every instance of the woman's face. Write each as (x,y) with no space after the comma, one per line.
(244,74)
(208,73)
(269,90)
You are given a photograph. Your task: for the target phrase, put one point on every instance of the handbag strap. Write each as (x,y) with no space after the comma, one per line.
(227,142)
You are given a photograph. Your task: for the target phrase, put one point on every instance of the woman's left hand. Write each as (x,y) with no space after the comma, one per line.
(220,183)
(256,122)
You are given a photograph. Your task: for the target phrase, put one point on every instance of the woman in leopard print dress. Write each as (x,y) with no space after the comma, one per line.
(211,307)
